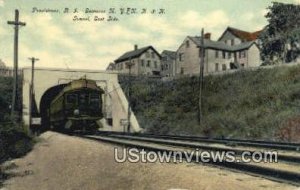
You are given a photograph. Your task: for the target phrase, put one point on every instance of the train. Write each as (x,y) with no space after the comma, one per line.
(78,106)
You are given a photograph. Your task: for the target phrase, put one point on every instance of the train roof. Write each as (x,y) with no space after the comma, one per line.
(79,84)
(82,83)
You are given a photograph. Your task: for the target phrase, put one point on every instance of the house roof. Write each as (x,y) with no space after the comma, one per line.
(218,45)
(247,36)
(171,54)
(135,53)
(111,66)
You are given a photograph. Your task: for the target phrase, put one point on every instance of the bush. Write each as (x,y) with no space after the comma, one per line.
(14,142)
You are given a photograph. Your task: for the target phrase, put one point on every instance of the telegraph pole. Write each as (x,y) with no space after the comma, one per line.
(201,77)
(17,24)
(33,59)
(129,65)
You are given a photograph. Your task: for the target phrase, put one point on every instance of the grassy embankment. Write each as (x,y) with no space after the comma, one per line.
(261,104)
(14,142)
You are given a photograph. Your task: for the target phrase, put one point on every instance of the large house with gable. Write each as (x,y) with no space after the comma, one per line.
(145,61)
(235,49)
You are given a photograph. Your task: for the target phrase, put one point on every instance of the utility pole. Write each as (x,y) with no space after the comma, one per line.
(129,65)
(201,77)
(17,24)
(31,95)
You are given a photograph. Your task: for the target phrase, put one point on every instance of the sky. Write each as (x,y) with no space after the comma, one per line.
(60,42)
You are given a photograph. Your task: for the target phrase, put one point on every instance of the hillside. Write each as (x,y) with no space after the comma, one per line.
(261,104)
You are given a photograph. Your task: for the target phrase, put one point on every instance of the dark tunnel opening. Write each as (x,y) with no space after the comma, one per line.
(46,99)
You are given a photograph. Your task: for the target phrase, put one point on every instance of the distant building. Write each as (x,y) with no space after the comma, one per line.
(6,71)
(168,62)
(234,50)
(111,67)
(146,61)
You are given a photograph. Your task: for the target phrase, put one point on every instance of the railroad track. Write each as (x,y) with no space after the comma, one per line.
(230,142)
(287,169)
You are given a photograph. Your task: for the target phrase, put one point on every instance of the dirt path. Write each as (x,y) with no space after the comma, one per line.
(69,163)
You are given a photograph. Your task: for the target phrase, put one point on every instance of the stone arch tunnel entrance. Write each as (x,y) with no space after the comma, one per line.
(45,102)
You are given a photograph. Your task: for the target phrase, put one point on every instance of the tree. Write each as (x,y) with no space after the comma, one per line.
(280,39)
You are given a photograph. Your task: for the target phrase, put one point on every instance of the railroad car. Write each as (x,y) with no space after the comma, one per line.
(77,107)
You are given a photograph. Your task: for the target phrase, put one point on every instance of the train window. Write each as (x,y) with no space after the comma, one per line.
(94,98)
(71,98)
(82,98)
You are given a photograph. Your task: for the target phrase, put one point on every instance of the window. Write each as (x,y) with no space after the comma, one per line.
(143,62)
(224,54)
(164,58)
(187,44)
(240,54)
(155,64)
(217,67)
(71,98)
(217,54)
(224,67)
(83,98)
(147,54)
(94,100)
(181,71)
(229,55)
(181,56)
(232,42)
(244,54)
(148,63)
(243,65)
(121,66)
(152,54)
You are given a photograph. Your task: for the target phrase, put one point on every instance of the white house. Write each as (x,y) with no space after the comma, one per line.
(230,52)
(145,61)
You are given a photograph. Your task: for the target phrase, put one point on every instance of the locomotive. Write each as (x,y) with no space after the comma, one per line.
(77,107)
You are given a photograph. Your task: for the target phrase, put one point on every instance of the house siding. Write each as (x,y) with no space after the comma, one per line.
(228,36)
(191,60)
(254,60)
(122,68)
(148,70)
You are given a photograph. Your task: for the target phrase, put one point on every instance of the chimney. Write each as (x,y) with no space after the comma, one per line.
(207,36)
(135,47)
